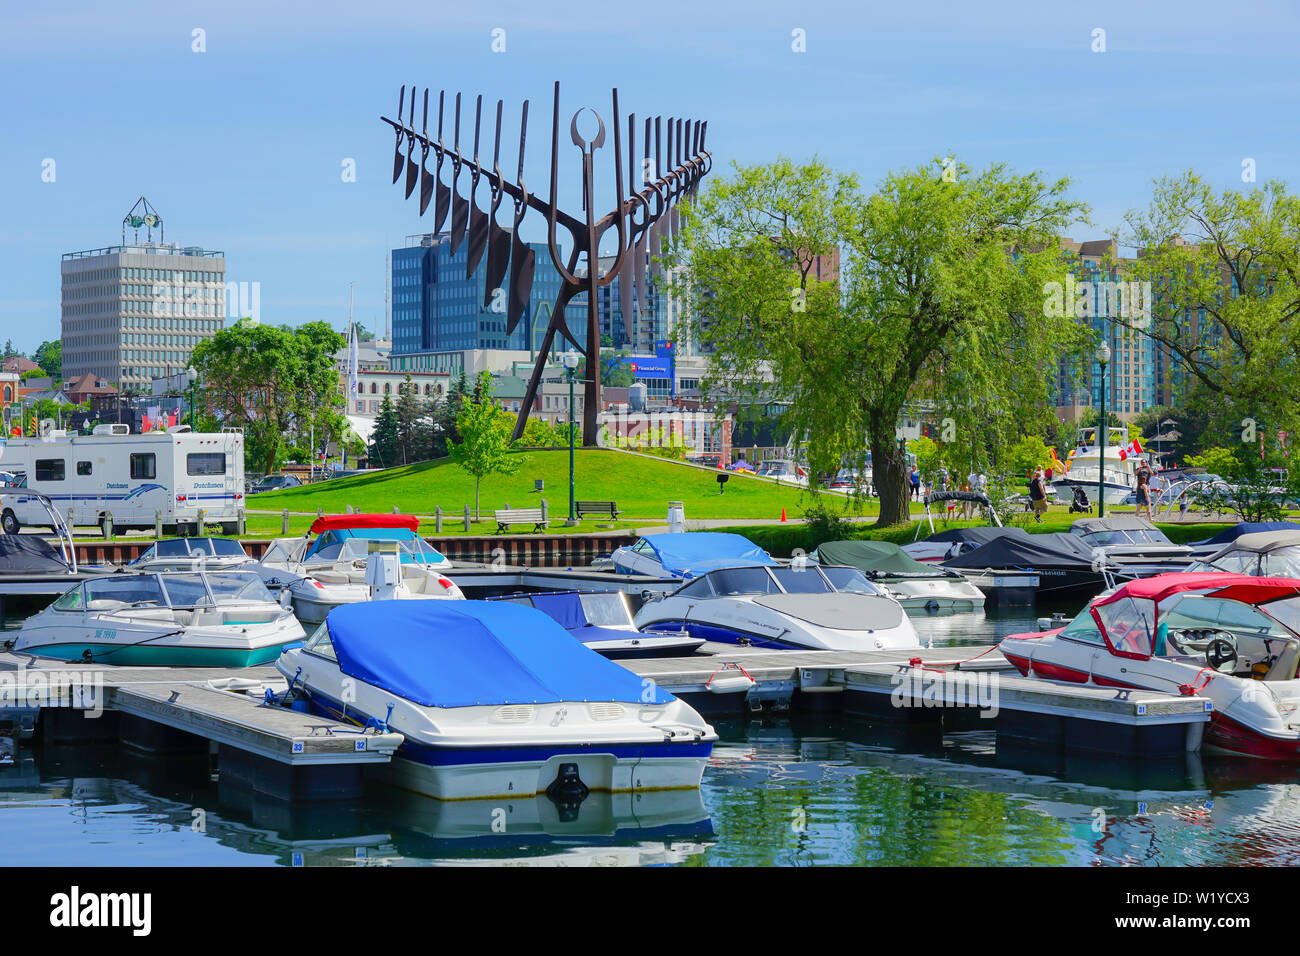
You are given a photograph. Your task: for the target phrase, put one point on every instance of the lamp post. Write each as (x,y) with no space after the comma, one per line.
(1103,357)
(570,369)
(193,378)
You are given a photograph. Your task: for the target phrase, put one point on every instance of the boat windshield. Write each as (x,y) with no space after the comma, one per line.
(729,582)
(285,551)
(849,580)
(1083,628)
(1198,611)
(238,588)
(801,580)
(1238,562)
(217,547)
(1129,536)
(126,590)
(186,590)
(359,548)
(1129,624)
(605,610)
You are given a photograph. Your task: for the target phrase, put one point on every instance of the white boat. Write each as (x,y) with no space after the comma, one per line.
(172,619)
(1088,467)
(1229,638)
(914,585)
(192,554)
(783,470)
(356,570)
(809,607)
(496,701)
(603,622)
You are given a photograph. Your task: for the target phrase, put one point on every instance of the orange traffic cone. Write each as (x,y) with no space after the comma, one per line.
(782,514)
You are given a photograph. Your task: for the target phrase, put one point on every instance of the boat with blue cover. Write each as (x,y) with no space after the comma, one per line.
(496,700)
(602,621)
(689,554)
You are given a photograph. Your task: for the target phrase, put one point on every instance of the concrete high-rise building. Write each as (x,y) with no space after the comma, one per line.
(134,312)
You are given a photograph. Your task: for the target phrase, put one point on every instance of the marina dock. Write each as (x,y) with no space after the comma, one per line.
(294,755)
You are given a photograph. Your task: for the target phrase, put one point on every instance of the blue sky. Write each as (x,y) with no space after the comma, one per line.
(240,148)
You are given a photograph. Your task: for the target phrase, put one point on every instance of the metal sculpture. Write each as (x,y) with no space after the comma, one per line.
(642,218)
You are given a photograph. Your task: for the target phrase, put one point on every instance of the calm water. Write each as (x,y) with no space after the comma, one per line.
(794,792)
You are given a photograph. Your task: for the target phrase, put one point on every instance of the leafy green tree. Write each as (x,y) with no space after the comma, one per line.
(485,438)
(277,383)
(1028,453)
(929,456)
(385,440)
(614,372)
(1224,270)
(940,297)
(49,356)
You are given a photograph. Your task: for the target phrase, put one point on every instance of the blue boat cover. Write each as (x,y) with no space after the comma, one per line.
(565,608)
(1249,527)
(697,552)
(475,653)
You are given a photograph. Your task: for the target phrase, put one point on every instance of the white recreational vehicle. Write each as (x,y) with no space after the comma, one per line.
(175,474)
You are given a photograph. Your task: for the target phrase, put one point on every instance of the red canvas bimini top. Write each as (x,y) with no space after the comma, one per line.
(336,522)
(1222,584)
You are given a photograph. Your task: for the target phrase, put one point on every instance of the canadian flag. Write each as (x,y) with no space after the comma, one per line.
(1132,448)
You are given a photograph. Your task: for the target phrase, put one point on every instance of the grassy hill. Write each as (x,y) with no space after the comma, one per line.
(642,486)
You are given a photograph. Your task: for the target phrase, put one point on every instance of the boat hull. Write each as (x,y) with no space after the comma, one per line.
(482,773)
(160,655)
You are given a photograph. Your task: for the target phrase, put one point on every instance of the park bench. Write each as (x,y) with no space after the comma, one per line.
(597,508)
(505,517)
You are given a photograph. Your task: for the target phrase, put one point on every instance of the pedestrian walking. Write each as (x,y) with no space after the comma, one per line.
(1144,490)
(1038,494)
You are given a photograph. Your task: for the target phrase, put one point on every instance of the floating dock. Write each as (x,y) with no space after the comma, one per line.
(294,755)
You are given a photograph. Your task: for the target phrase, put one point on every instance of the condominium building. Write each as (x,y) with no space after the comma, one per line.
(134,312)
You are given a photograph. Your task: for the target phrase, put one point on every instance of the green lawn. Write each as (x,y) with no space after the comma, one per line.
(641,486)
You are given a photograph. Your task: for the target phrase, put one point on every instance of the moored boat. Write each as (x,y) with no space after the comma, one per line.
(173,619)
(1230,638)
(603,622)
(496,700)
(813,607)
(915,585)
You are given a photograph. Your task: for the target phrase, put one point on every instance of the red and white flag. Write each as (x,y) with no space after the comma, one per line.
(1132,448)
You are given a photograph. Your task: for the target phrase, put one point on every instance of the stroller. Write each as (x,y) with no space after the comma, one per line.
(1081,503)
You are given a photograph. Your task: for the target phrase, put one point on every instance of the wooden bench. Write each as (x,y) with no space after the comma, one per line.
(505,517)
(596,508)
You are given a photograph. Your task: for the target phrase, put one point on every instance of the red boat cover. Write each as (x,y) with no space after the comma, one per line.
(334,522)
(1221,584)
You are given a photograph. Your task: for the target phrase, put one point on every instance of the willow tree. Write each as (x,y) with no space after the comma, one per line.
(853,306)
(1224,272)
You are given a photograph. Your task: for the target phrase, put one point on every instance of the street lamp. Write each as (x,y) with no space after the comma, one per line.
(193,378)
(570,368)
(1103,357)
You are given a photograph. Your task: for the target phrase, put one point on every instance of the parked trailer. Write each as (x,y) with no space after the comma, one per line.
(135,478)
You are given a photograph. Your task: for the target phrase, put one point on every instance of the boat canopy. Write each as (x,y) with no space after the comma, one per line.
(24,554)
(982,535)
(1249,527)
(693,553)
(1262,542)
(881,557)
(345,522)
(1027,551)
(1120,523)
(1127,617)
(475,653)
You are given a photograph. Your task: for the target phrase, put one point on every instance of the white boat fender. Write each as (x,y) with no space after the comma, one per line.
(731,684)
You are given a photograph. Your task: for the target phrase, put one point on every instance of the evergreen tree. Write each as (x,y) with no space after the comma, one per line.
(385,447)
(407,413)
